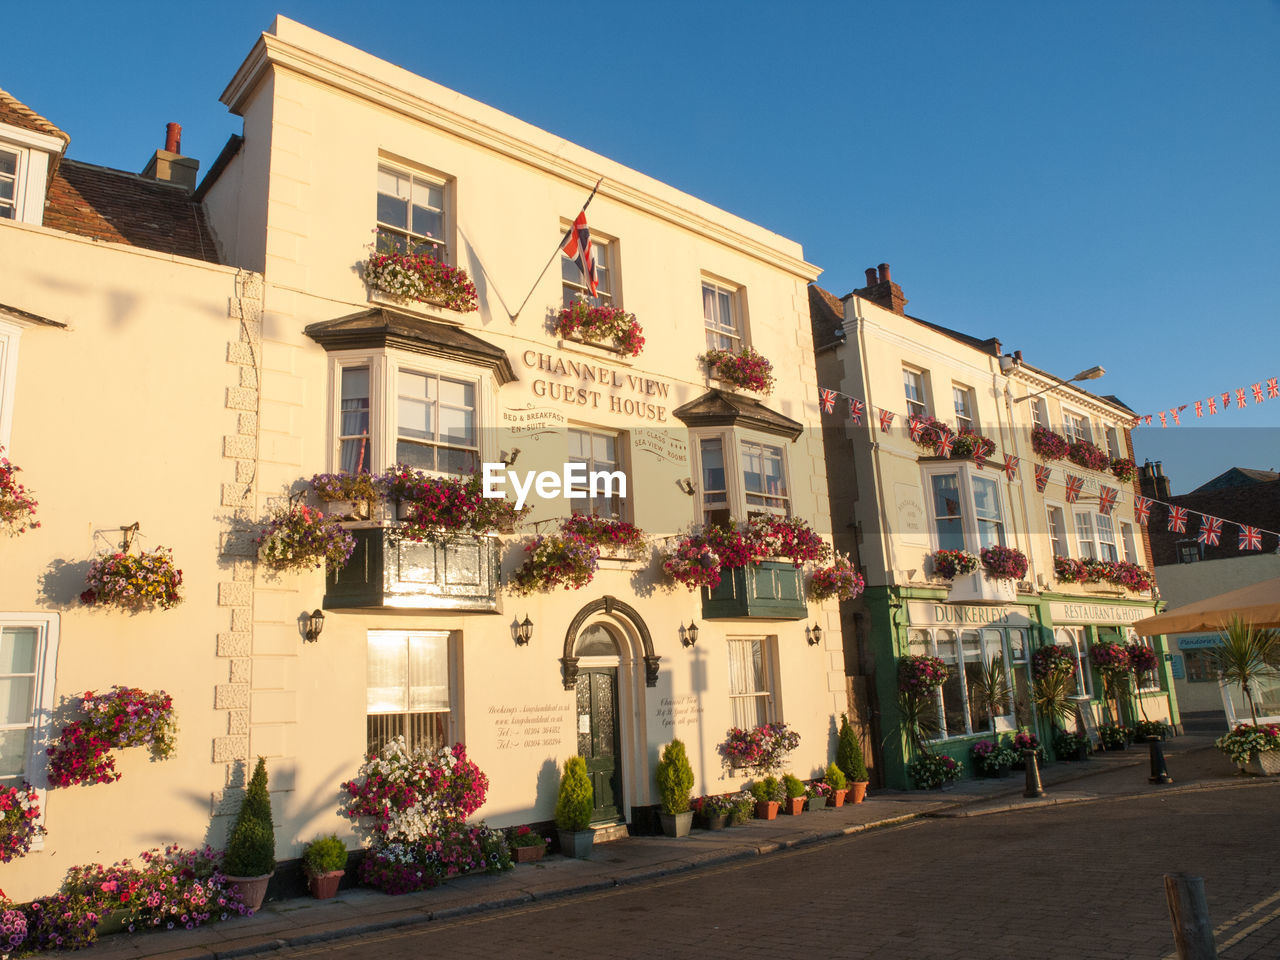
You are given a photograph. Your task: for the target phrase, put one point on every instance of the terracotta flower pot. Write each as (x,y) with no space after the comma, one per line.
(530,854)
(836,798)
(252,890)
(794,806)
(859,790)
(325,885)
(767,810)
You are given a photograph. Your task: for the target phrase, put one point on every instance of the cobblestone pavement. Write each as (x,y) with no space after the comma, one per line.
(1072,881)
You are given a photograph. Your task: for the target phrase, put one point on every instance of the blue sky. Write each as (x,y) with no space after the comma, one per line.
(1090,182)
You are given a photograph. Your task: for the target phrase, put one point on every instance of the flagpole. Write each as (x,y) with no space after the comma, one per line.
(560,246)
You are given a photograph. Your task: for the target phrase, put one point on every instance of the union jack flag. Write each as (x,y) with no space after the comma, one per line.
(1010,466)
(914,427)
(1213,405)
(943,447)
(1042,477)
(828,400)
(1250,538)
(1175,411)
(886,420)
(1163,421)
(1240,397)
(1199,408)
(1142,510)
(855,410)
(1273,388)
(1107,499)
(1210,530)
(1177,519)
(1226,400)
(577,247)
(1074,486)
(1148,419)
(979,460)
(1257,393)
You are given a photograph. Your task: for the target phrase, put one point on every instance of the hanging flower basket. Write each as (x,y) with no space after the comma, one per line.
(746,369)
(1142,659)
(1004,563)
(19,824)
(1085,454)
(555,561)
(1048,445)
(971,445)
(301,538)
(606,534)
(698,560)
(600,325)
(949,564)
(435,506)
(1109,657)
(134,582)
(17,505)
(762,748)
(1052,661)
(1124,469)
(417,278)
(119,718)
(840,580)
(919,673)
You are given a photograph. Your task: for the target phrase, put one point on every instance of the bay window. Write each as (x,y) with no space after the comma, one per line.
(436,426)
(757,487)
(966,508)
(715,482)
(764,478)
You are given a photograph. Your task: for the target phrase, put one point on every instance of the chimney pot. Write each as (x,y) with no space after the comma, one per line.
(1017,355)
(884,273)
(173,138)
(871,276)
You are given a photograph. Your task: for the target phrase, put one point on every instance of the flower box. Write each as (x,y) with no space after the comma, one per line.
(978,588)
(767,809)
(768,590)
(793,806)
(529,854)
(1263,763)
(347,509)
(386,570)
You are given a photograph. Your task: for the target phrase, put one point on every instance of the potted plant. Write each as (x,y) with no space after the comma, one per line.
(573,810)
(768,795)
(991,758)
(1246,655)
(819,795)
(583,321)
(949,564)
(1048,445)
(17,506)
(1004,563)
(346,495)
(795,792)
(1144,730)
(675,780)
(744,808)
(930,771)
(418,278)
(1253,748)
(1022,742)
(134,582)
(1069,745)
(717,811)
(528,844)
(324,860)
(837,784)
(299,537)
(251,850)
(746,369)
(1114,736)
(849,760)
(19,822)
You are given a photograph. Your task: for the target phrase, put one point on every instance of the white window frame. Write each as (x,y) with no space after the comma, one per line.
(453,672)
(1148,681)
(1130,543)
(920,407)
(623,465)
(441,247)
(769,669)
(605,251)
(1107,549)
(1074,640)
(715,328)
(1070,420)
(968,505)
(10,335)
(34,767)
(1088,546)
(1064,539)
(1115,446)
(30,187)
(731,443)
(1040,412)
(14,206)
(384,369)
(772,508)
(965,401)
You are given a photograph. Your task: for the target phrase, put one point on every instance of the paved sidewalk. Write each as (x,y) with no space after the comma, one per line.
(1193,763)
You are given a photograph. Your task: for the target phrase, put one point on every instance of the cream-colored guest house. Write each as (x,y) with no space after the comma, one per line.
(191,390)
(896,501)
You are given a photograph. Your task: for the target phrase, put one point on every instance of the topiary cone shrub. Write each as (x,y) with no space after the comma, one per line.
(675,778)
(849,759)
(573,809)
(251,850)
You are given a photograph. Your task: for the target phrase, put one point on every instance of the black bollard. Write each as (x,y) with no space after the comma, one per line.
(1034,787)
(1159,772)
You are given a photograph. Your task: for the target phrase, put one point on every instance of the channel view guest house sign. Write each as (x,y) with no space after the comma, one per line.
(595,386)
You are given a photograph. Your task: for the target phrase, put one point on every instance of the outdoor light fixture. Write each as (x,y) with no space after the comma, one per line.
(509,459)
(1093,373)
(815,635)
(685,484)
(689,634)
(315,623)
(524,631)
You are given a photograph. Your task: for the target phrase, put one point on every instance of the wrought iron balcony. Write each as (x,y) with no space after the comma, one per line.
(766,591)
(388,571)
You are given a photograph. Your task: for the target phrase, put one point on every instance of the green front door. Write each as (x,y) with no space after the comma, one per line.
(598,740)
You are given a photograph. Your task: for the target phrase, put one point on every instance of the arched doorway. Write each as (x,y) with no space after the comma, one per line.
(596,705)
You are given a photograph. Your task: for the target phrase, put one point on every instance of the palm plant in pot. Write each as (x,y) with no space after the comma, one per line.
(324,860)
(573,810)
(251,851)
(850,762)
(675,780)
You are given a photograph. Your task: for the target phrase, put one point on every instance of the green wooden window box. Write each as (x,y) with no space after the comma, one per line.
(767,591)
(388,571)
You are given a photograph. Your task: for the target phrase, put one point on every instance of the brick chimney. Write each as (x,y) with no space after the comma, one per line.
(881,289)
(169,164)
(1152,481)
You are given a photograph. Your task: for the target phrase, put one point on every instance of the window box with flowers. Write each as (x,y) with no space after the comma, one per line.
(1124,469)
(17,505)
(608,327)
(761,749)
(134,582)
(929,432)
(1004,563)
(299,537)
(347,496)
(973,446)
(746,369)
(1085,454)
(527,844)
(1120,573)
(1049,445)
(418,278)
(949,564)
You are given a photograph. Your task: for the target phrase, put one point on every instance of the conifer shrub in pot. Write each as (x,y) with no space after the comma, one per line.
(573,810)
(675,780)
(251,849)
(795,794)
(324,861)
(768,794)
(849,760)
(839,785)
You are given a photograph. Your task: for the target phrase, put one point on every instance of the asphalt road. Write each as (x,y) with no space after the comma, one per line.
(1073,881)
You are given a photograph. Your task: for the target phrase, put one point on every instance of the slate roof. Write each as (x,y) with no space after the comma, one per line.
(1237,477)
(122,207)
(716,408)
(1256,504)
(826,315)
(16,113)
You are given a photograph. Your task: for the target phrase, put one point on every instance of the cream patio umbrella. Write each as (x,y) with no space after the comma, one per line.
(1258,604)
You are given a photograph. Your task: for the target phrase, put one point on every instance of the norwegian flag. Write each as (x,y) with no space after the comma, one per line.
(1042,477)
(855,410)
(1199,408)
(1240,398)
(577,247)
(943,447)
(1177,519)
(828,400)
(914,427)
(1213,405)
(1010,466)
(1210,530)
(1257,393)
(1163,421)
(1107,499)
(1074,486)
(1273,388)
(886,420)
(1250,538)
(1142,510)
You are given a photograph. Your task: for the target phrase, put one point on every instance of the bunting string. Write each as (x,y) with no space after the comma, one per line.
(1263,390)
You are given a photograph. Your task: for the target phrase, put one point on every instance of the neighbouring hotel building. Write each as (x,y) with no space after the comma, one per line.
(895,501)
(191,390)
